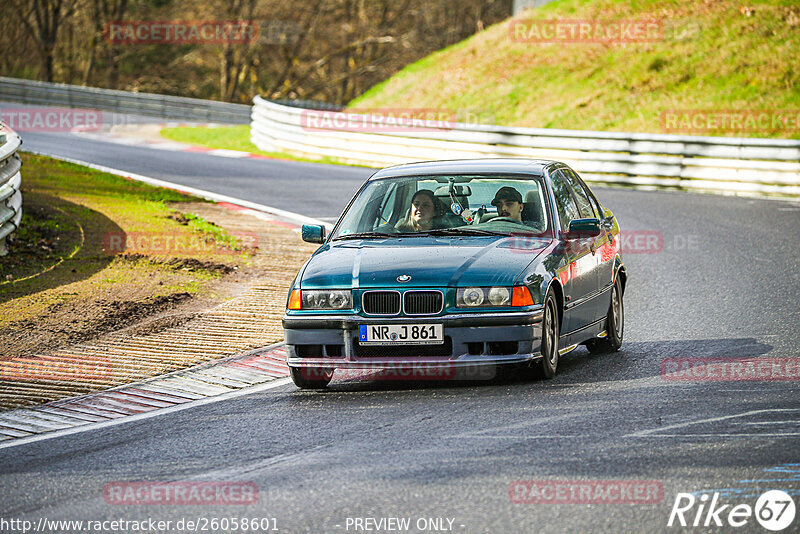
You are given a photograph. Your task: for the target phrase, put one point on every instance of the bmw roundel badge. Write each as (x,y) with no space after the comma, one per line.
(403,278)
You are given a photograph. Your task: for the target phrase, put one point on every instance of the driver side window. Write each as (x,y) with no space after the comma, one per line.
(565,204)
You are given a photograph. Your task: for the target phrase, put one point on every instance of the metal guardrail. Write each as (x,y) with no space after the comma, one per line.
(309,104)
(730,165)
(718,164)
(10,181)
(148,104)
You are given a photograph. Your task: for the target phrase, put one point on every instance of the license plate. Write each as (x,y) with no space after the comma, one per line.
(401,334)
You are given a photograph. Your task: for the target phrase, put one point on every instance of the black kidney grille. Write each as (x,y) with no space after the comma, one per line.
(381,302)
(422,302)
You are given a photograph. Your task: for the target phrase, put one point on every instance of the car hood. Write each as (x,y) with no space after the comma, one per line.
(429,261)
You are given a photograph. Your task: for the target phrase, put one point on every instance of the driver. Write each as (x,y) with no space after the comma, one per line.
(508,202)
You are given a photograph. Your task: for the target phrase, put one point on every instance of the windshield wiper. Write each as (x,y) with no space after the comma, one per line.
(465,231)
(363,235)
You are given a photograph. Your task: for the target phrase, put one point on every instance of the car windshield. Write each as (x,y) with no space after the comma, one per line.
(447,205)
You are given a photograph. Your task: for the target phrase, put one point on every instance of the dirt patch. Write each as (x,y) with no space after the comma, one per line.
(179,218)
(181,264)
(67,289)
(117,314)
(137,333)
(193,264)
(68,322)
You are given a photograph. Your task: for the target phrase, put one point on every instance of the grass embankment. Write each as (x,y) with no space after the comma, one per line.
(230,138)
(96,252)
(711,55)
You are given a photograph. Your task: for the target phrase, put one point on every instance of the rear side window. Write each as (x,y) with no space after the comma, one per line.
(565,204)
(584,203)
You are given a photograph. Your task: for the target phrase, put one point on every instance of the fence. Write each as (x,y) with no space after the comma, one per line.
(718,164)
(148,104)
(10,180)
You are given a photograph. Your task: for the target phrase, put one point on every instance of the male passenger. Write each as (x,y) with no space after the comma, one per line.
(508,202)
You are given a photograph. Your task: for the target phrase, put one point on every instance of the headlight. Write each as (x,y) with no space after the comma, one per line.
(473,297)
(326,299)
(499,296)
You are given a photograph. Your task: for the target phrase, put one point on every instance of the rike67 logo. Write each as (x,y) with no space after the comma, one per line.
(774,510)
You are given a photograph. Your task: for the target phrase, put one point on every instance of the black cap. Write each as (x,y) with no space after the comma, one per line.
(506,193)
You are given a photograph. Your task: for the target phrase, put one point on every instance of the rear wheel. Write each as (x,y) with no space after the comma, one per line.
(615,325)
(550,333)
(311,377)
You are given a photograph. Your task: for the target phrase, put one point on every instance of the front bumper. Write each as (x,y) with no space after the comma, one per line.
(471,340)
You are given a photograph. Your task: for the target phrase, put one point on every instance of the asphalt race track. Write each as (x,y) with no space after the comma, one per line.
(722,281)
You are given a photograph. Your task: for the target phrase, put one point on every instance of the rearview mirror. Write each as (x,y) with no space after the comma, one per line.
(583,228)
(458,190)
(313,233)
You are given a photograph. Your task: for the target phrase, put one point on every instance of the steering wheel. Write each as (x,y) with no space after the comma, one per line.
(506,219)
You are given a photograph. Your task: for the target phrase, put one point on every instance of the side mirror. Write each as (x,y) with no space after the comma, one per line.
(583,228)
(313,233)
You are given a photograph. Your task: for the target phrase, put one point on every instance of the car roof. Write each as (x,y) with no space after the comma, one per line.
(467,166)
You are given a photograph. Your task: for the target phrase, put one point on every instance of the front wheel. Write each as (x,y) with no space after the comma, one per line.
(311,377)
(550,333)
(615,325)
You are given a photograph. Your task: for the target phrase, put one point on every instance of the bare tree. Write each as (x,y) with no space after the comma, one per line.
(103,12)
(236,57)
(330,50)
(43,19)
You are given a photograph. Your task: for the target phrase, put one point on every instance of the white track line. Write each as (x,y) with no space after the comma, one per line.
(208,195)
(655,432)
(146,415)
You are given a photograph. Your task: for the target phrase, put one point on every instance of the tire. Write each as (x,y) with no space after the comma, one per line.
(615,325)
(551,329)
(311,377)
